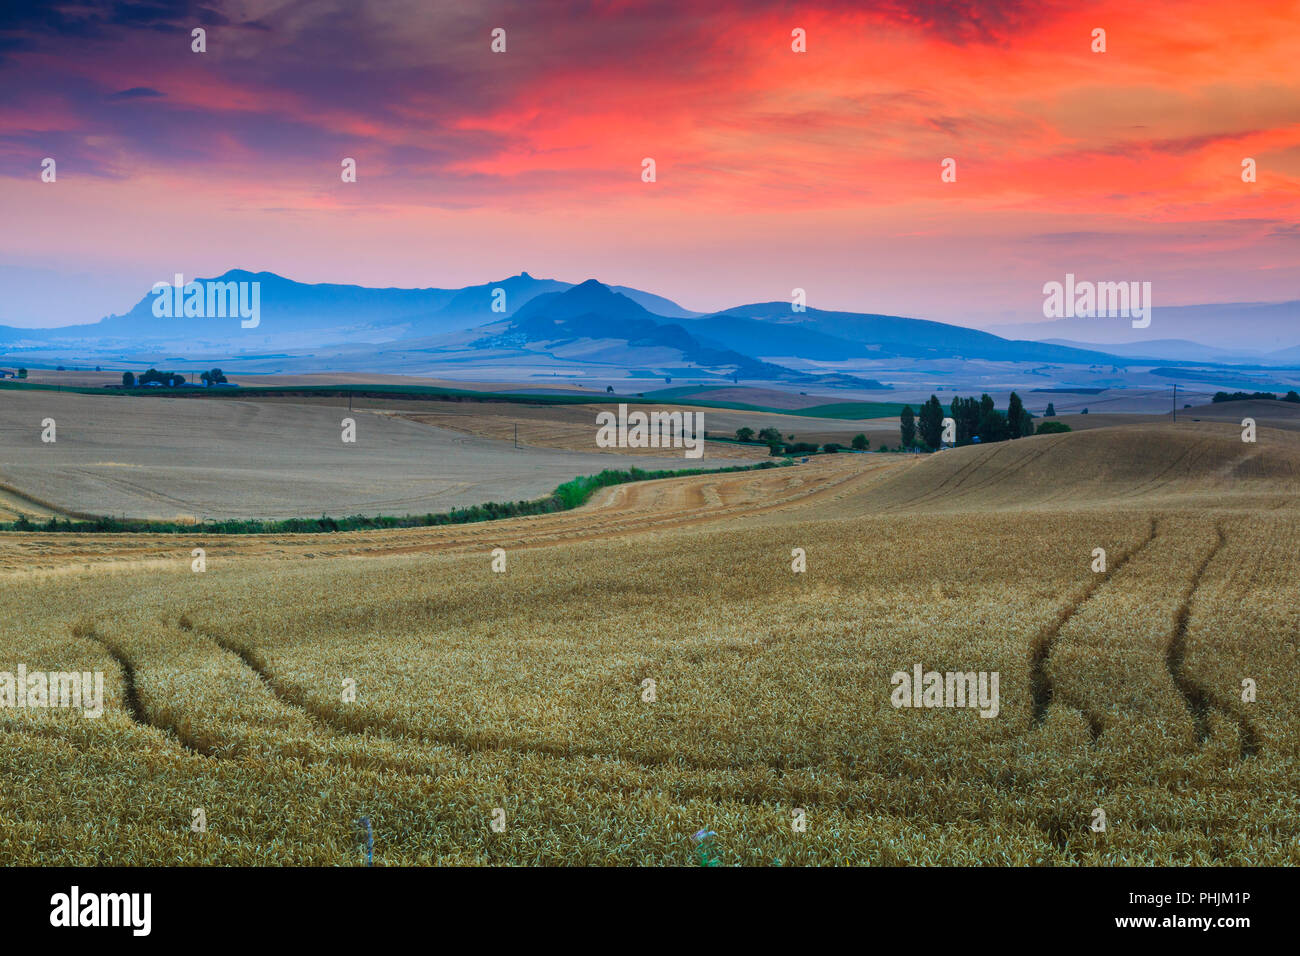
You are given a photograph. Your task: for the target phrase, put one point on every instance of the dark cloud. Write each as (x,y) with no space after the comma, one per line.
(78,19)
(31,24)
(135,93)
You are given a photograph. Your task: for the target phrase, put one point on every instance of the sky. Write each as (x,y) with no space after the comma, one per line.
(774,169)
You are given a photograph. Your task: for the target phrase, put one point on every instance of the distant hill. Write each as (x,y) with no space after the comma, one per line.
(1165,349)
(577,321)
(297,313)
(770,328)
(1232,326)
(543,326)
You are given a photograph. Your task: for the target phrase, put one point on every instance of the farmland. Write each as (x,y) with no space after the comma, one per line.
(167,458)
(525,690)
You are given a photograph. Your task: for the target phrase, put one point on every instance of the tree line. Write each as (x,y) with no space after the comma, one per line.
(778,445)
(975,420)
(1290,396)
(170,379)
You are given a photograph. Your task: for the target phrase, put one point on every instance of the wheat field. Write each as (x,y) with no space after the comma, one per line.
(519,697)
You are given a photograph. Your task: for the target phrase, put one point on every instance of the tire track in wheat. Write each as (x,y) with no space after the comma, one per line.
(1042,687)
(135,709)
(470,743)
(301,703)
(1198,698)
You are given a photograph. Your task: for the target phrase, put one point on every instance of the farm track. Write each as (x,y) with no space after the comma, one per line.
(317,715)
(1200,700)
(1041,685)
(468,743)
(133,706)
(14,503)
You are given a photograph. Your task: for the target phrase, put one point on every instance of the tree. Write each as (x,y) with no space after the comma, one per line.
(831,447)
(772,438)
(609,389)
(745,434)
(128,379)
(860,442)
(907,426)
(1051,410)
(22,373)
(1026,423)
(966,415)
(1016,417)
(931,426)
(1291,396)
(992,423)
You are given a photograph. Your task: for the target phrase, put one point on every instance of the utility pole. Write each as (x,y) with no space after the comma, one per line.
(1175,403)
(516,434)
(349,399)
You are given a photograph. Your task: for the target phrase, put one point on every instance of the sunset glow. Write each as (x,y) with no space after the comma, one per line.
(775,169)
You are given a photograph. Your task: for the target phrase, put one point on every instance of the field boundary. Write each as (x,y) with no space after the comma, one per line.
(567,496)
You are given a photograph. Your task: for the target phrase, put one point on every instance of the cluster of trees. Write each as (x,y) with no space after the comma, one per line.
(1290,396)
(788,446)
(975,420)
(170,379)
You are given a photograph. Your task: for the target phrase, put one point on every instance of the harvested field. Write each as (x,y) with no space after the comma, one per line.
(194,459)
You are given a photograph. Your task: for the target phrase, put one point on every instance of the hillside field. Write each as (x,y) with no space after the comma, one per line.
(196,459)
(524,691)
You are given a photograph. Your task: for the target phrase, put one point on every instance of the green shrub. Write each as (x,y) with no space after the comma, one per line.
(1052,428)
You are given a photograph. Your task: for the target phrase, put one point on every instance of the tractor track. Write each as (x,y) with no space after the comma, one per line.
(1198,698)
(468,743)
(131,694)
(1042,687)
